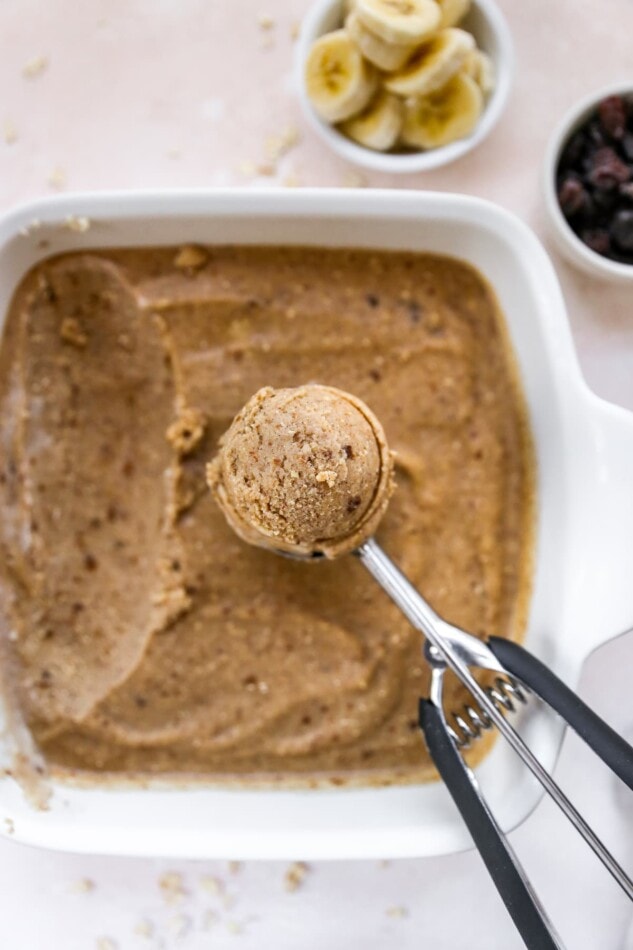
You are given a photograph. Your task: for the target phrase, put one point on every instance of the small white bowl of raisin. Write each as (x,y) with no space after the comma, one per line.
(589,184)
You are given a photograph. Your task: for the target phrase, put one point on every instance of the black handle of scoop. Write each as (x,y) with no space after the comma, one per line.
(605,742)
(497,855)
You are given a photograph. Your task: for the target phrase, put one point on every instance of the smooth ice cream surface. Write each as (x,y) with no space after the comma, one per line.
(139,634)
(303,470)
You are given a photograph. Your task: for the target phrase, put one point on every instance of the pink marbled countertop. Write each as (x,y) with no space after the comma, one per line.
(171,93)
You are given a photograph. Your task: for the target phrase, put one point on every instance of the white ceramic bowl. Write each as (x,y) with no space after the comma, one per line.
(568,243)
(489,28)
(584,563)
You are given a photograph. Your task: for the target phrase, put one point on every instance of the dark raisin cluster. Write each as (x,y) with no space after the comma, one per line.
(595,180)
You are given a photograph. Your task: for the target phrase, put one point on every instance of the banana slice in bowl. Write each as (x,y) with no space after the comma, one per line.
(481,68)
(379,125)
(384,55)
(339,81)
(433,64)
(452,11)
(400,21)
(443,116)
(353,107)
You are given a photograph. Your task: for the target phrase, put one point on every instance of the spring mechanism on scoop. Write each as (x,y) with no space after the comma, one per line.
(472,721)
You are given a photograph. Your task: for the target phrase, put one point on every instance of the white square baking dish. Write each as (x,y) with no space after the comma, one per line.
(582,590)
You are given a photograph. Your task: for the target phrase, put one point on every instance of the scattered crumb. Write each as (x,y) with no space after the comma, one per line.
(397,911)
(174,153)
(72,332)
(209,919)
(175,601)
(233,927)
(353,179)
(268,42)
(276,146)
(9,132)
(235,867)
(179,925)
(57,178)
(83,886)
(295,29)
(267,169)
(172,887)
(9,826)
(35,67)
(248,169)
(190,257)
(187,431)
(212,884)
(327,476)
(102,21)
(77,223)
(228,901)
(105,943)
(295,876)
(265,22)
(31,226)
(144,928)
(291,180)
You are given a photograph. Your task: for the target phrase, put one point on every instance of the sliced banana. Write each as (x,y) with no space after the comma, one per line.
(448,114)
(400,21)
(432,65)
(386,56)
(339,82)
(452,11)
(480,67)
(378,125)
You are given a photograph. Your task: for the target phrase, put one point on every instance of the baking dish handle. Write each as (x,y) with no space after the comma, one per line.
(606,571)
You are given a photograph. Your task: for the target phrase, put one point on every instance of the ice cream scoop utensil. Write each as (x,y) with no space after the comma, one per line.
(519,673)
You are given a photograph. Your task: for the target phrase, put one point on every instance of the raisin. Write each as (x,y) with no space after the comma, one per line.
(574,151)
(572,196)
(372,300)
(622,230)
(595,134)
(627,145)
(612,113)
(597,239)
(604,201)
(626,190)
(607,169)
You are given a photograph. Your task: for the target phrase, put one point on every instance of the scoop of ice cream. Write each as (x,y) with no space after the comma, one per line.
(303,470)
